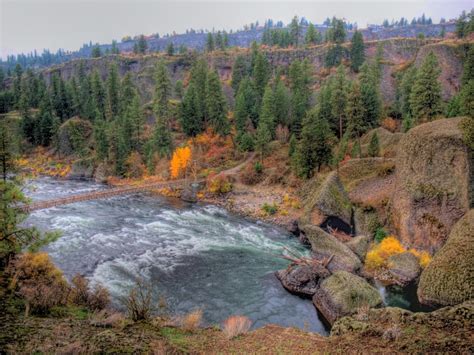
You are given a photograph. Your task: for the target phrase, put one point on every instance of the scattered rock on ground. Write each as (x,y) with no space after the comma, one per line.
(449,278)
(343,294)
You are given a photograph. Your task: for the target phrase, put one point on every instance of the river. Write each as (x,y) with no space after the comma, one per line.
(195,256)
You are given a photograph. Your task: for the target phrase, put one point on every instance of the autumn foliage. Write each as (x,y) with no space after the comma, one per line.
(180,162)
(377,257)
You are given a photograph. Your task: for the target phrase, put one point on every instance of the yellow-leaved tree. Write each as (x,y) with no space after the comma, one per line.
(180,161)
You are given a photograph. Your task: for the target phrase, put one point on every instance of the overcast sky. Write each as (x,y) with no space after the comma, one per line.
(36,24)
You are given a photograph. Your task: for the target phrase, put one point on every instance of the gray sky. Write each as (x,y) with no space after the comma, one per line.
(26,25)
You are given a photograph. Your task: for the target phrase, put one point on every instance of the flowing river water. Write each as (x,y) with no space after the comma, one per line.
(195,256)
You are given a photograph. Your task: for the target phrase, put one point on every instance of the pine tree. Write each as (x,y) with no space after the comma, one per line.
(135,121)
(374,149)
(310,36)
(313,150)
(100,137)
(325,105)
(142,45)
(406,85)
(179,89)
(216,105)
(46,122)
(162,91)
(170,49)
(112,106)
(2,79)
(96,52)
(339,99)
(267,113)
(191,122)
(239,71)
(199,81)
(210,46)
(98,93)
(261,75)
(371,99)
(245,106)
(292,146)
(378,65)
(281,104)
(295,31)
(219,41)
(263,137)
(357,51)
(114,49)
(160,143)
(300,80)
(468,71)
(425,97)
(356,112)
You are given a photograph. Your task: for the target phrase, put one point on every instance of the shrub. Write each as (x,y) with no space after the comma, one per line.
(378,256)
(39,282)
(235,326)
(282,133)
(134,166)
(380,234)
(219,185)
(139,302)
(250,176)
(258,167)
(246,142)
(270,209)
(95,299)
(192,321)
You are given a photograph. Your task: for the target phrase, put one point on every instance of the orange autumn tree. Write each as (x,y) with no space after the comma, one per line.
(180,162)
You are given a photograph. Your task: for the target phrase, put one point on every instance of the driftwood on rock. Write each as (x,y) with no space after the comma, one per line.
(303,260)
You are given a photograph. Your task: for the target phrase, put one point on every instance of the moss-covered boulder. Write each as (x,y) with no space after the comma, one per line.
(434,176)
(302,280)
(325,246)
(74,137)
(366,221)
(449,278)
(403,268)
(359,245)
(343,294)
(326,199)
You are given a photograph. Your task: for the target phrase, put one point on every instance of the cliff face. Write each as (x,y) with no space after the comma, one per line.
(398,53)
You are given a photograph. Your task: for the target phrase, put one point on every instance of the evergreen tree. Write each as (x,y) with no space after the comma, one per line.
(100,137)
(170,49)
(112,106)
(370,96)
(261,75)
(466,99)
(300,80)
(263,137)
(356,112)
(142,45)
(313,150)
(453,109)
(425,97)
(160,143)
(216,105)
(219,43)
(179,89)
(127,92)
(135,121)
(162,91)
(239,71)
(191,122)
(281,104)
(312,36)
(292,146)
(357,51)
(210,46)
(245,107)
(295,31)
(98,93)
(114,49)
(337,32)
(406,86)
(96,52)
(2,79)
(199,81)
(18,73)
(468,71)
(374,149)
(339,99)
(325,105)
(378,62)
(46,124)
(267,112)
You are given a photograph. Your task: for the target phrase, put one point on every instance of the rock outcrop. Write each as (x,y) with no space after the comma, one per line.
(434,171)
(326,246)
(343,294)
(302,280)
(329,199)
(449,278)
(82,169)
(403,268)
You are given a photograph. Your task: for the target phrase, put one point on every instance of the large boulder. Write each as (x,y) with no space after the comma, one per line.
(325,246)
(74,136)
(434,176)
(343,294)
(327,199)
(302,280)
(359,245)
(449,278)
(388,142)
(366,221)
(403,268)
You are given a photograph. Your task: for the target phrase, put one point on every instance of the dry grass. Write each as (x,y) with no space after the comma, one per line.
(235,326)
(139,302)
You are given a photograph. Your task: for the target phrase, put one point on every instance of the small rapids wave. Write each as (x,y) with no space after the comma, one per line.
(195,256)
